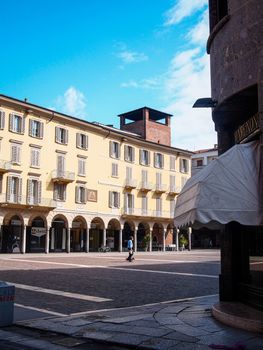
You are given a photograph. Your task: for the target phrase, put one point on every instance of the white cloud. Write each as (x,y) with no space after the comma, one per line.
(183,9)
(132,57)
(199,33)
(72,102)
(152,83)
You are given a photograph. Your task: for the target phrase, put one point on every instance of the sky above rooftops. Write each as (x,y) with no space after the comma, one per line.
(97,59)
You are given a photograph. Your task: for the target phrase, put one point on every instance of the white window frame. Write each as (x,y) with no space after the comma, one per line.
(61,135)
(14,189)
(173,163)
(144,204)
(129,153)
(114,199)
(145,157)
(16,123)
(158,160)
(2,120)
(34,191)
(81,167)
(36,128)
(184,165)
(82,141)
(114,149)
(60,192)
(15,153)
(159,205)
(61,162)
(81,194)
(35,157)
(114,170)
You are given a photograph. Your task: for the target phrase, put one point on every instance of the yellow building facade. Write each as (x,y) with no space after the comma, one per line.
(74,186)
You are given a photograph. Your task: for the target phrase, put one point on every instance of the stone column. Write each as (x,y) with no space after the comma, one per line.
(52,239)
(189,231)
(151,240)
(135,239)
(104,237)
(47,241)
(81,239)
(23,247)
(68,240)
(120,239)
(177,232)
(87,240)
(164,232)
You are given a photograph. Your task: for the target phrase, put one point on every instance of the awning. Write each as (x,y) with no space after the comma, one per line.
(225,190)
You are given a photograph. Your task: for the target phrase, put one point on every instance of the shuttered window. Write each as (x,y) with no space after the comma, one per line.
(114,149)
(144,176)
(2,120)
(184,165)
(129,153)
(81,194)
(61,135)
(16,123)
(60,165)
(114,199)
(16,154)
(35,158)
(14,189)
(1,183)
(128,173)
(114,170)
(158,160)
(34,189)
(158,179)
(144,204)
(172,163)
(81,167)
(82,141)
(159,206)
(59,192)
(144,157)
(35,128)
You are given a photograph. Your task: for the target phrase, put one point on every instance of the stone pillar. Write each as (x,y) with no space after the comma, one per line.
(120,239)
(104,237)
(87,240)
(52,239)
(47,241)
(151,240)
(81,239)
(189,231)
(164,232)
(23,247)
(68,240)
(135,239)
(177,232)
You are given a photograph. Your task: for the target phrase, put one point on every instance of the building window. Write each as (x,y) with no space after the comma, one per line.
(199,162)
(158,206)
(34,188)
(158,180)
(184,165)
(35,128)
(35,158)
(172,163)
(158,160)
(59,192)
(218,10)
(2,120)
(81,167)
(114,149)
(61,135)
(114,170)
(144,157)
(144,177)
(172,207)
(16,154)
(114,199)
(82,141)
(129,153)
(144,204)
(129,203)
(128,173)
(16,123)
(81,194)
(14,189)
(60,165)
(1,183)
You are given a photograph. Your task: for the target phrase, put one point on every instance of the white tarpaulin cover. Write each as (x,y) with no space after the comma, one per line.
(225,190)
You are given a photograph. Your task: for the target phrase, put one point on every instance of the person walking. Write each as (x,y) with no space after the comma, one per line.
(130,249)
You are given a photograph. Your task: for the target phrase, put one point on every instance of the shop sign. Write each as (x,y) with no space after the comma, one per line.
(246,130)
(76,224)
(38,231)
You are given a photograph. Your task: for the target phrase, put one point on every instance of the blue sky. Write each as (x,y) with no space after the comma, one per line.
(95,59)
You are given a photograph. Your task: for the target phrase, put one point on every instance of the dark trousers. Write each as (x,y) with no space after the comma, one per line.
(130,257)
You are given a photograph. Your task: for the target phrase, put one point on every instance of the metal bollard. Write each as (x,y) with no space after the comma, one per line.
(7,297)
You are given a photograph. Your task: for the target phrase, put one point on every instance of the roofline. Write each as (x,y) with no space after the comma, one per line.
(145,107)
(92,125)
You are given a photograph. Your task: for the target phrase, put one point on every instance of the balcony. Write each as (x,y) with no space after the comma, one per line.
(160,188)
(4,166)
(145,186)
(130,183)
(62,176)
(173,190)
(139,213)
(16,201)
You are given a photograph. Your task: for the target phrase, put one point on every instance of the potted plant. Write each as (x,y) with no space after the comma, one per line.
(182,242)
(146,241)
